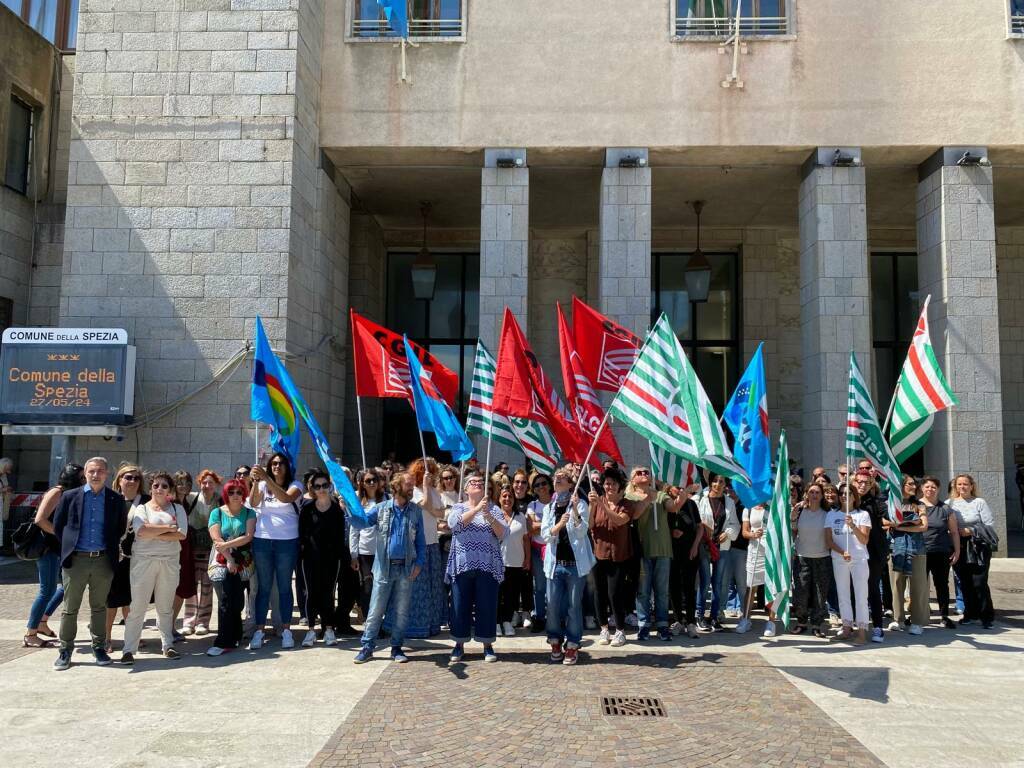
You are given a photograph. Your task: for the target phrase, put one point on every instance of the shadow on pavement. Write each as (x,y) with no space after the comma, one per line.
(857,682)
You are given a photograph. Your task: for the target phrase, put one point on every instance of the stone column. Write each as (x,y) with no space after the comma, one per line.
(835,310)
(956,241)
(504,259)
(624,258)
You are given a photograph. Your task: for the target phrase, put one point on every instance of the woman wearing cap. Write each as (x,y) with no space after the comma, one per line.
(231,530)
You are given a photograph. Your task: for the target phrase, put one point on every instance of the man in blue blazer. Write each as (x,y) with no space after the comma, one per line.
(89,523)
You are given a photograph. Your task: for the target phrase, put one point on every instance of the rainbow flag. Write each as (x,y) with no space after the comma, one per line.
(269,402)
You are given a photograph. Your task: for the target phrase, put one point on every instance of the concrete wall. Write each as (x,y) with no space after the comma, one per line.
(585,74)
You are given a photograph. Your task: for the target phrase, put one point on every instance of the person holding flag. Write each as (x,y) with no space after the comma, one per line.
(433,414)
(778,545)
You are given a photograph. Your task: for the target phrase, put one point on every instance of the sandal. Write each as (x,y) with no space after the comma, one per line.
(35,641)
(44,629)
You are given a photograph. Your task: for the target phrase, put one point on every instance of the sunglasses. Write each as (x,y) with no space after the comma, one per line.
(131,478)
(642,473)
(160,486)
(321,486)
(241,473)
(475,482)
(369,479)
(235,492)
(277,463)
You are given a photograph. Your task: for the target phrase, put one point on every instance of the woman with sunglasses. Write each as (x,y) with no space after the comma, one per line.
(187,587)
(160,526)
(910,562)
(449,487)
(610,516)
(515,553)
(815,568)
(542,487)
(129,481)
(232,526)
(718,513)
(847,529)
(199,609)
(274,496)
(362,543)
(321,546)
(651,510)
(427,604)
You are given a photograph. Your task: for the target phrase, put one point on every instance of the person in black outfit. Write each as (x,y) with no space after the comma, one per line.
(322,543)
(872,502)
(941,544)
(687,534)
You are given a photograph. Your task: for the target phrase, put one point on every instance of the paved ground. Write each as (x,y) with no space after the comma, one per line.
(949,697)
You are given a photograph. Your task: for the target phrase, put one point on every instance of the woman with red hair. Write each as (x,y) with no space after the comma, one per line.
(232,526)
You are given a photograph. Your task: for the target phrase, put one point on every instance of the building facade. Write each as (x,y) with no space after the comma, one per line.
(228,158)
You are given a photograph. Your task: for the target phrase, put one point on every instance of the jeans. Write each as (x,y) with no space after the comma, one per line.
(702,592)
(655,575)
(731,567)
(959,590)
(49,595)
(474,607)
(540,584)
(230,601)
(96,574)
(393,591)
(565,606)
(365,583)
(275,563)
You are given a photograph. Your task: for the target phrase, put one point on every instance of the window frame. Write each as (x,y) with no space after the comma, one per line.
(62,22)
(352,37)
(790,33)
(1014,21)
(33,118)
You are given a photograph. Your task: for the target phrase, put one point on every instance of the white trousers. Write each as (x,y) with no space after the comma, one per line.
(858,570)
(156,578)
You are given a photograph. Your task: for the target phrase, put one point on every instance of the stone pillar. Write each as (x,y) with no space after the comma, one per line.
(957,265)
(835,310)
(624,258)
(504,259)
(504,240)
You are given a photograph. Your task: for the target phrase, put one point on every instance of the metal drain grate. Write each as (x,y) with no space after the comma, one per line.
(632,706)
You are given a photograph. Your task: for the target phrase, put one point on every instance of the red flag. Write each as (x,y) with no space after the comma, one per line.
(581,395)
(606,349)
(381,367)
(522,390)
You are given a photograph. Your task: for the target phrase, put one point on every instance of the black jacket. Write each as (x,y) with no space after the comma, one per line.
(67,522)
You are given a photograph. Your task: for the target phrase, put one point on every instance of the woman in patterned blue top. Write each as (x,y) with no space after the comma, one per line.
(475,568)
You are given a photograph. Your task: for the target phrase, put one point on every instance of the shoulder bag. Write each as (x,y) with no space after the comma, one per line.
(30,542)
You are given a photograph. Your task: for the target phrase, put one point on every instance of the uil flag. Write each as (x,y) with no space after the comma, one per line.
(269,403)
(433,414)
(606,349)
(746,414)
(581,395)
(382,369)
(778,541)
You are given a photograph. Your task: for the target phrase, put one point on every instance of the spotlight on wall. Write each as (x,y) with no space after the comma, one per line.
(509,162)
(841,159)
(969,158)
(632,161)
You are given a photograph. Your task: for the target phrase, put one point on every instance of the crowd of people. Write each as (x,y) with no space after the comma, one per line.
(437,546)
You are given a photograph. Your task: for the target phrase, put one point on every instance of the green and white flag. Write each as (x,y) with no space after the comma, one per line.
(538,443)
(864,438)
(481,418)
(921,392)
(671,468)
(662,399)
(778,541)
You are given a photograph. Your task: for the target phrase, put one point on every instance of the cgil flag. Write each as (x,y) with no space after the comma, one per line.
(433,414)
(269,403)
(746,414)
(538,443)
(921,392)
(606,349)
(671,468)
(663,400)
(778,541)
(582,397)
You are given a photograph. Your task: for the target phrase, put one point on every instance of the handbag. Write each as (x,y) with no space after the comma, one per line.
(713,552)
(30,541)
(216,570)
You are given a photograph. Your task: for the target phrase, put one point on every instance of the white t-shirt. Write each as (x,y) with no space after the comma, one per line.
(277,520)
(512,545)
(536,512)
(429,521)
(157,549)
(836,520)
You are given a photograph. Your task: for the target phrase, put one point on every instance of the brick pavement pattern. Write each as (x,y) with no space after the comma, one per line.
(722,710)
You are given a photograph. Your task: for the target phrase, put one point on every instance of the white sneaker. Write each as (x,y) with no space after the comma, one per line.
(619,639)
(744,626)
(309,640)
(329,637)
(691,631)
(527,621)
(213,650)
(202,629)
(510,631)
(915,629)
(590,623)
(894,626)
(257,640)
(677,628)
(769,629)
(605,637)
(187,631)
(287,641)
(498,630)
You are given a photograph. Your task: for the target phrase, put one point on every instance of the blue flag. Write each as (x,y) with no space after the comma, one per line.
(284,391)
(268,402)
(397,15)
(432,412)
(746,414)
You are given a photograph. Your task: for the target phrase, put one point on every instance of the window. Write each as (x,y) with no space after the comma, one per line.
(708,330)
(19,146)
(895,307)
(717,18)
(56,20)
(428,19)
(447,325)
(1017,17)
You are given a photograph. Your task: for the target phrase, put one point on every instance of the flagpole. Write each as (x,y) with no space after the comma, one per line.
(895,392)
(462,474)
(593,445)
(359,415)
(487,455)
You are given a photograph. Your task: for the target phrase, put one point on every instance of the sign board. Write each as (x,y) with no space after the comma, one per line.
(66,376)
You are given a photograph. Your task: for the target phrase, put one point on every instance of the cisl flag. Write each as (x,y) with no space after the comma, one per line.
(381,367)
(606,349)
